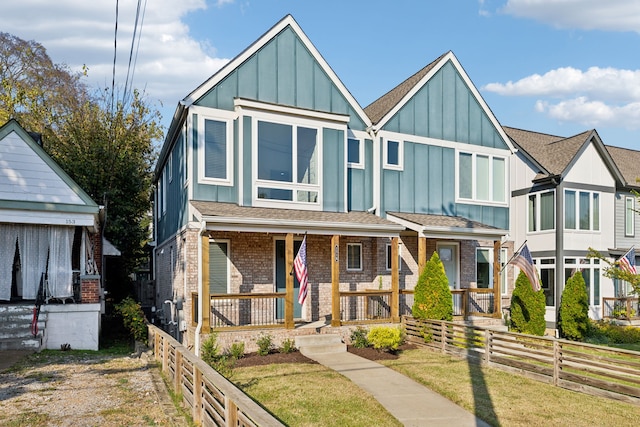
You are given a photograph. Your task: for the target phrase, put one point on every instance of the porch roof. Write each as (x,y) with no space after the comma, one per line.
(231,217)
(442,226)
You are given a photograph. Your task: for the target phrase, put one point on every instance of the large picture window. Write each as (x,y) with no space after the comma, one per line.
(581,210)
(541,211)
(288,163)
(482,177)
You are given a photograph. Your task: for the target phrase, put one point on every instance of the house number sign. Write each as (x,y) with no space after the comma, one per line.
(336,252)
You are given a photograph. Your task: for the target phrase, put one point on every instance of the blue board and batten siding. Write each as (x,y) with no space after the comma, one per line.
(444,109)
(282,72)
(175,215)
(360,182)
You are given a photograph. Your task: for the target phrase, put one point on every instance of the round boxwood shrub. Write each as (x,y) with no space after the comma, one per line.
(527,308)
(432,296)
(573,323)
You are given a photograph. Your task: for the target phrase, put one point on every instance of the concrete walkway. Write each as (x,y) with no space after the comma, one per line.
(411,403)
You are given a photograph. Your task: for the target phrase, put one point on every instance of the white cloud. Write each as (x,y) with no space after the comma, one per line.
(595,97)
(609,15)
(170,63)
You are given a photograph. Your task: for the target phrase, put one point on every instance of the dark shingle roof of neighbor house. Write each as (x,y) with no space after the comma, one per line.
(628,162)
(291,216)
(381,106)
(553,153)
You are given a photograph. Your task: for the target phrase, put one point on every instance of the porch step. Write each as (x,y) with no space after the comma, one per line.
(320,344)
(15,327)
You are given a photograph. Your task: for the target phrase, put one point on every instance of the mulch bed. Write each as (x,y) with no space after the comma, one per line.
(254,359)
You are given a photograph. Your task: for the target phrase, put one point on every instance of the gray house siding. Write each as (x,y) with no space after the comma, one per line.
(622,240)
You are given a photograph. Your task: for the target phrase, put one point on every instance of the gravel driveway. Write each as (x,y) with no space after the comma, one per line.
(58,388)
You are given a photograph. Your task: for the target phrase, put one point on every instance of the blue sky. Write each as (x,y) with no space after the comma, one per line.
(552,66)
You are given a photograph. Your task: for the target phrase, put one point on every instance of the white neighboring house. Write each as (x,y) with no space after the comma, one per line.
(50,246)
(563,203)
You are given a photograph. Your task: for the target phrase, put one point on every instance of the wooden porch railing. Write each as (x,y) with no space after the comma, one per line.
(268,310)
(212,399)
(625,308)
(585,368)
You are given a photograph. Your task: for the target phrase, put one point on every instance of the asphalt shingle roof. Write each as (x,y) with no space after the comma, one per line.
(430,220)
(381,106)
(628,162)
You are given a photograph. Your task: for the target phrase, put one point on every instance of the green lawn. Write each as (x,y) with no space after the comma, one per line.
(311,395)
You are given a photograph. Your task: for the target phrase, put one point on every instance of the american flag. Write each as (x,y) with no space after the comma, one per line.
(628,262)
(524,261)
(300,267)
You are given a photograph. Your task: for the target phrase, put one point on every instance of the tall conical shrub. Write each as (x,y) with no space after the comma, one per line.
(574,309)
(527,308)
(431,296)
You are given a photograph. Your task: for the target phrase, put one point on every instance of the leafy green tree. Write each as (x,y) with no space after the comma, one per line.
(574,309)
(527,308)
(106,147)
(432,296)
(613,271)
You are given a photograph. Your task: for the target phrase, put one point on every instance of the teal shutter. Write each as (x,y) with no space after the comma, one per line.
(218,267)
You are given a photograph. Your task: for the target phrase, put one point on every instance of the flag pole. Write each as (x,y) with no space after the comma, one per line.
(513,256)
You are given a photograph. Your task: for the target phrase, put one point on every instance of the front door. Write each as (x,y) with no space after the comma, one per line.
(281,280)
(448,253)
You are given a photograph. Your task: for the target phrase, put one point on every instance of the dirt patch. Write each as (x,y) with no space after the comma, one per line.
(254,359)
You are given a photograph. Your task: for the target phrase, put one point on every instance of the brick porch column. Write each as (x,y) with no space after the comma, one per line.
(90,289)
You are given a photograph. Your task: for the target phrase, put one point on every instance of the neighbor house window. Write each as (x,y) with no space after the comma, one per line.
(219,267)
(170,166)
(547,272)
(354,256)
(581,210)
(215,140)
(503,271)
(541,211)
(629,216)
(288,163)
(482,177)
(590,269)
(355,153)
(393,154)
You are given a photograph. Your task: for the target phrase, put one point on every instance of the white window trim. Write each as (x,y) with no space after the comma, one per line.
(226,117)
(185,156)
(474,199)
(400,165)
(631,212)
(539,212)
(577,212)
(360,164)
(170,166)
(537,262)
(387,256)
(294,122)
(347,260)
(228,242)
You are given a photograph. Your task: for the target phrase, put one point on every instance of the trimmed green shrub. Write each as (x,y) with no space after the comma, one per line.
(133,319)
(236,350)
(574,309)
(209,351)
(611,333)
(265,344)
(288,346)
(385,338)
(527,308)
(432,296)
(359,337)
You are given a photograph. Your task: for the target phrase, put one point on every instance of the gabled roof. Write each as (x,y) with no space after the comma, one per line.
(220,75)
(384,108)
(628,162)
(379,108)
(555,154)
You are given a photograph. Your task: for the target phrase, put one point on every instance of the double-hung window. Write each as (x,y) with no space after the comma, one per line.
(629,216)
(541,211)
(547,271)
(388,257)
(288,162)
(215,140)
(581,210)
(482,178)
(590,269)
(354,257)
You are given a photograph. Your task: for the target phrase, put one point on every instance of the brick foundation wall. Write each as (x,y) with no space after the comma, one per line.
(90,289)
